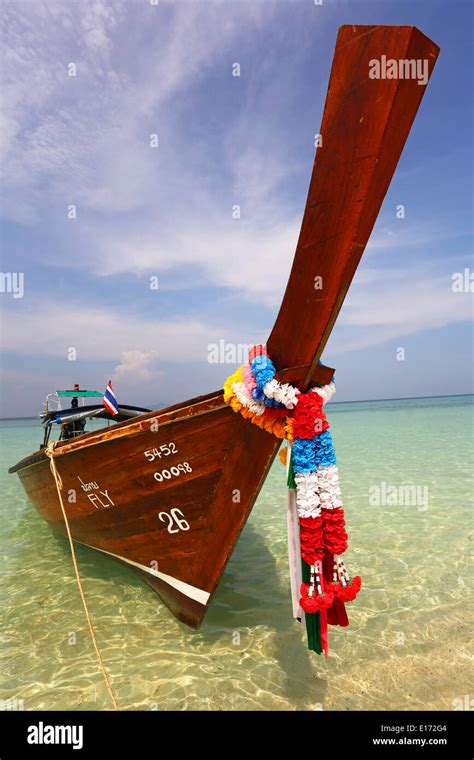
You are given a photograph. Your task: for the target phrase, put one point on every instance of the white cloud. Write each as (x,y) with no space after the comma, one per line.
(136,366)
(388,304)
(100,334)
(235,253)
(402,235)
(383,307)
(84,139)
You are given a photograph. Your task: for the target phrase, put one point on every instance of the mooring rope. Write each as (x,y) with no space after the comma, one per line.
(59,484)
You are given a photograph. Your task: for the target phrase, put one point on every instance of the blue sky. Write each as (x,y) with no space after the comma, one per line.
(167,211)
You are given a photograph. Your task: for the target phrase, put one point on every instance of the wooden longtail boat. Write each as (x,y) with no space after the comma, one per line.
(156,490)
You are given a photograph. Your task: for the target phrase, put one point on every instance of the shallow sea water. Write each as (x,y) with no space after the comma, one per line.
(407,646)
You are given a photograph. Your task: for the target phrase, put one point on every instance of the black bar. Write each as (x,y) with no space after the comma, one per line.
(337,734)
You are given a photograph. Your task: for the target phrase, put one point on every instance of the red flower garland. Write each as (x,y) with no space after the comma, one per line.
(316,602)
(335,537)
(346,593)
(308,412)
(311,539)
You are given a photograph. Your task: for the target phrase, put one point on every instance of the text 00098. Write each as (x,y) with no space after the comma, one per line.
(173,472)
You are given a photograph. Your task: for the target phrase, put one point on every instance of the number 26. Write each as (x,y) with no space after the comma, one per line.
(175,519)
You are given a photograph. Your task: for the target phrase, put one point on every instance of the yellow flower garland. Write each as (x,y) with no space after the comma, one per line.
(279,427)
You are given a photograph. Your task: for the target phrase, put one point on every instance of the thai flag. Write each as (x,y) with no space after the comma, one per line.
(109,400)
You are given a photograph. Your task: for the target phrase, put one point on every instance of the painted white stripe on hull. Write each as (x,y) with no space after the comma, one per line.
(185,588)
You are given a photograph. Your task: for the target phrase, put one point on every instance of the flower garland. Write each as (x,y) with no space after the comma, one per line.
(282,410)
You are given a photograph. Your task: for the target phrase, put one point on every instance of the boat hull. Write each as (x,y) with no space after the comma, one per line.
(172,516)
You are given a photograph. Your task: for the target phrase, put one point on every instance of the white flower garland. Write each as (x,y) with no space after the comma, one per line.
(315,490)
(308,503)
(326,391)
(284,393)
(244,397)
(329,490)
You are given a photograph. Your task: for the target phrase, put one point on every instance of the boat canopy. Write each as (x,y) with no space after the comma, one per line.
(66,416)
(82,394)
(72,421)
(53,400)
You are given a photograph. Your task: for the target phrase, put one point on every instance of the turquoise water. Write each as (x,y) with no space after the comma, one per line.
(408,643)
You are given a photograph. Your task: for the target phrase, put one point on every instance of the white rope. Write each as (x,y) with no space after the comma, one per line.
(57,478)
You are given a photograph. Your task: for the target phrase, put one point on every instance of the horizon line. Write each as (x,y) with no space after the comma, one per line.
(334,403)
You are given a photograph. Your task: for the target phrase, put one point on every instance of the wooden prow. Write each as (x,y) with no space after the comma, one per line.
(364,128)
(300,377)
